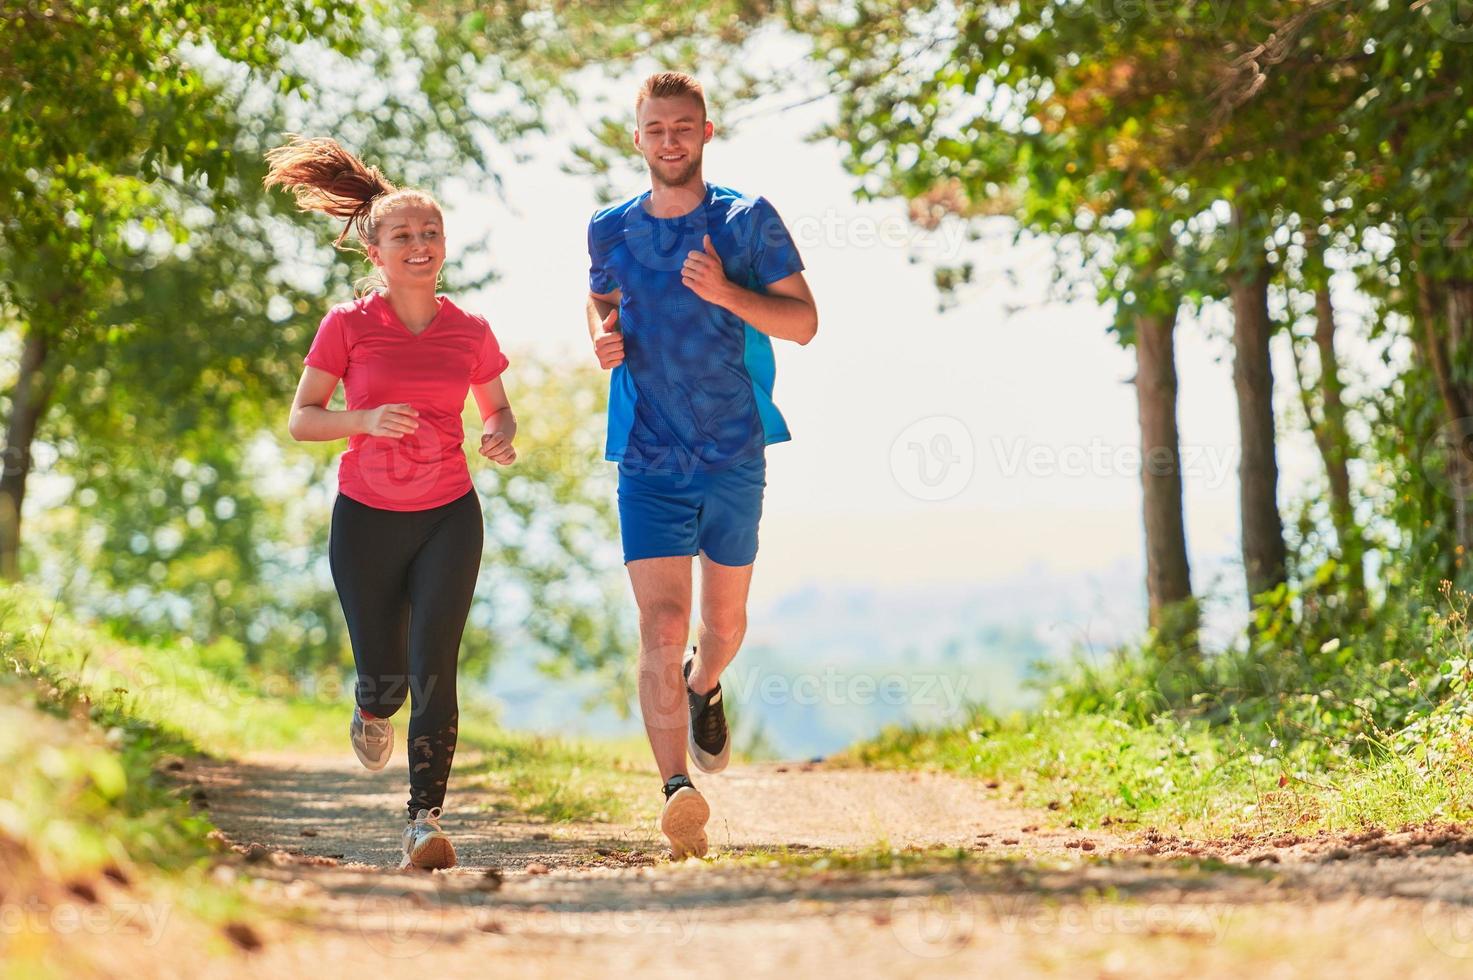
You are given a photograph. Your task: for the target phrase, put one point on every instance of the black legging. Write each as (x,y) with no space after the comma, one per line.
(405,579)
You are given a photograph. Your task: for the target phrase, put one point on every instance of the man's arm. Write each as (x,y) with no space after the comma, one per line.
(603,328)
(786,311)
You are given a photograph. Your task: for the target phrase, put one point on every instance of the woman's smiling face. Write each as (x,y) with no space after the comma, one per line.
(411,245)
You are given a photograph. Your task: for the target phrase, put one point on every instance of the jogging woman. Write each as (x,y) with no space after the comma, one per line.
(406,538)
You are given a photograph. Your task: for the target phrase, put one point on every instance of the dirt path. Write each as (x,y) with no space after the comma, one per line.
(535,899)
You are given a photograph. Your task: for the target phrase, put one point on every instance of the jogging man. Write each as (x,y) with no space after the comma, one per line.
(687,284)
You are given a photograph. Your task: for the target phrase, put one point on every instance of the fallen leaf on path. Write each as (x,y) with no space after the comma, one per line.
(244,936)
(84,891)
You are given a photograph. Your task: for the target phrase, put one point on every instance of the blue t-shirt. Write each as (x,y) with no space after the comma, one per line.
(694,393)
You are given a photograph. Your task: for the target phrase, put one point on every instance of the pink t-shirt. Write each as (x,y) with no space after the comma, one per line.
(366,344)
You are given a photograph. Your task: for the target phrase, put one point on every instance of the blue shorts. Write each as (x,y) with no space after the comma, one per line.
(673,515)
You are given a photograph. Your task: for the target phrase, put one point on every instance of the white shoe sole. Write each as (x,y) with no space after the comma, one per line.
(432,853)
(368,761)
(683,822)
(705,761)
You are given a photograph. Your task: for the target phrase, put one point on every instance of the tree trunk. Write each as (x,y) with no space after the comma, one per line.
(27,405)
(1332,435)
(1336,445)
(1459,300)
(1437,301)
(1264,559)
(1168,577)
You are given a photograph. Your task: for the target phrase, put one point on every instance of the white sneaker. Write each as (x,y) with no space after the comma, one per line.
(425,844)
(683,821)
(373,740)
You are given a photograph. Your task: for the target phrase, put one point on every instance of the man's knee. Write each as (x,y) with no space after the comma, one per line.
(726,626)
(664,624)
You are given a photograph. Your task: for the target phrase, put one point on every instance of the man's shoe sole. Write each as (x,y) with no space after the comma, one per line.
(683,822)
(436,852)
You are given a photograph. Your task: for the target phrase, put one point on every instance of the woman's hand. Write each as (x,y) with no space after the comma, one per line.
(498,423)
(391,421)
(496,446)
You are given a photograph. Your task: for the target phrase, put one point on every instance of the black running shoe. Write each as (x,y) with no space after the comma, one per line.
(709,741)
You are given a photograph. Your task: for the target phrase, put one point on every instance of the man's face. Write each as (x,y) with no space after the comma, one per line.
(671,134)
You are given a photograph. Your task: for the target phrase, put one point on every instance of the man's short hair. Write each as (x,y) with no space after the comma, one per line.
(667,85)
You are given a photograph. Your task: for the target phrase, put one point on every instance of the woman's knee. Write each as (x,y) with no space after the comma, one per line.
(432,695)
(381,696)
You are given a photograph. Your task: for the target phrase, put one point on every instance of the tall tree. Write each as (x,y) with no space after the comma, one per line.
(1168,575)
(99,104)
(1323,401)
(1264,558)
(1066,123)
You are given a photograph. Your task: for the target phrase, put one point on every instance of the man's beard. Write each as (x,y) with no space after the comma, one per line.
(693,165)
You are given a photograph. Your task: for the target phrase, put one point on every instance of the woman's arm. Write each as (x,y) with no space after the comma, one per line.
(312,421)
(498,424)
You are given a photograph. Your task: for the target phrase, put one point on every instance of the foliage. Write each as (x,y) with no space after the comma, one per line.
(170,502)
(232,543)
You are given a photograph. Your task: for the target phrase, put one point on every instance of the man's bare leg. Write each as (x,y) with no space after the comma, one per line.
(723,625)
(662,590)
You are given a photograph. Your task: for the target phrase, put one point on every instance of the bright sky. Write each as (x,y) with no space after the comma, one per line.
(1036,403)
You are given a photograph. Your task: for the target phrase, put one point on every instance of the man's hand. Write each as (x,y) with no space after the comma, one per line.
(496,446)
(609,344)
(705,276)
(391,421)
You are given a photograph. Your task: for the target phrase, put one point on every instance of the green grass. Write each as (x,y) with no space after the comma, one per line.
(192,699)
(91,723)
(880,856)
(83,796)
(1102,770)
(560,780)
